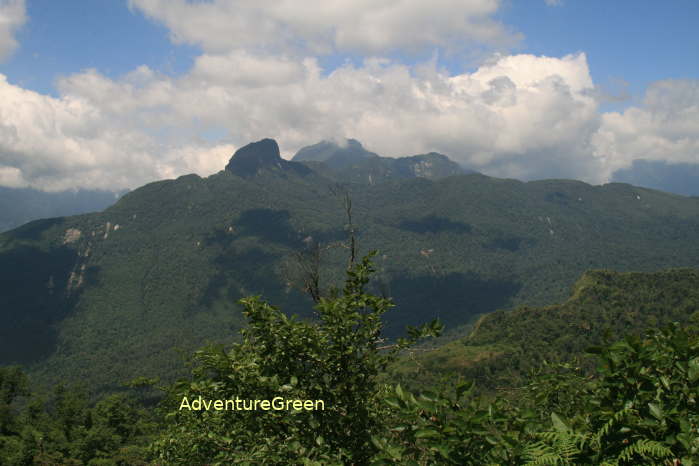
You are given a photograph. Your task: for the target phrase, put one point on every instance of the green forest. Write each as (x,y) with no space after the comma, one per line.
(635,405)
(129,291)
(398,311)
(349,233)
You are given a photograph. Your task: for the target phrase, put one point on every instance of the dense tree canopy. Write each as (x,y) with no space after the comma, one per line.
(638,408)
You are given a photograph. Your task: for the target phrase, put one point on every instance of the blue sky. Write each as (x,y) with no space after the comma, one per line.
(61,38)
(636,42)
(132,91)
(633,42)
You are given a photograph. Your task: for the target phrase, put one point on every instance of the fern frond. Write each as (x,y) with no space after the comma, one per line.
(614,420)
(646,449)
(556,447)
(550,459)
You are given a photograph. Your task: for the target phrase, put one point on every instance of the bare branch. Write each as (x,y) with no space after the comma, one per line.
(350,227)
(307,262)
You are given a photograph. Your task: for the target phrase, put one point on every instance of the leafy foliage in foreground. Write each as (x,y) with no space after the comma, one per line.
(506,345)
(640,408)
(336,360)
(66,430)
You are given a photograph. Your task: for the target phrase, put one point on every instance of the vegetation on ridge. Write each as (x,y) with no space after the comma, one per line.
(504,346)
(125,292)
(639,408)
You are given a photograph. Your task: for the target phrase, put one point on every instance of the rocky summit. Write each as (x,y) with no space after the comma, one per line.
(334,155)
(261,155)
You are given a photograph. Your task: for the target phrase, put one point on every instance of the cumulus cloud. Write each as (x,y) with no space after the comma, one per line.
(554,2)
(519,116)
(11,177)
(80,141)
(374,27)
(664,128)
(12,16)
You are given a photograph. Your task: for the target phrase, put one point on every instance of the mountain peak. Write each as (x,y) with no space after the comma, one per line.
(264,154)
(334,155)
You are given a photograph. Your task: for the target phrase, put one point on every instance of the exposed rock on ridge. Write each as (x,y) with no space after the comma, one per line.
(334,155)
(262,155)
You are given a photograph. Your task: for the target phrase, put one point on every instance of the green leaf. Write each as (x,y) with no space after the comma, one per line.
(442,450)
(656,411)
(665,381)
(464,387)
(379,442)
(693,372)
(393,403)
(399,392)
(425,404)
(558,423)
(426,433)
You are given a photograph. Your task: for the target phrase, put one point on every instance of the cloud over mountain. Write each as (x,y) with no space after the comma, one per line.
(259,75)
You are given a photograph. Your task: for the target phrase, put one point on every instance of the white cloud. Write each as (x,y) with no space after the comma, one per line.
(11,177)
(519,116)
(244,69)
(366,26)
(94,140)
(665,127)
(554,2)
(12,17)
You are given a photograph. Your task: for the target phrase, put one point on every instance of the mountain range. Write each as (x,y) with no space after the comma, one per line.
(127,291)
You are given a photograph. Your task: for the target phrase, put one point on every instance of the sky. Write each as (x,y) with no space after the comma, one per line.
(117,93)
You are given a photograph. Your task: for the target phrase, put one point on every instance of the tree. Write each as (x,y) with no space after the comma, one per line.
(13,384)
(640,409)
(335,360)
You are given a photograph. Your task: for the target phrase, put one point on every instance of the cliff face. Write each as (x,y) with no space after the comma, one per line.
(261,155)
(351,162)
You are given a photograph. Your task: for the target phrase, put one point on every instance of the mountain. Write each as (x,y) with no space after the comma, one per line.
(604,305)
(352,163)
(259,156)
(125,292)
(22,205)
(333,155)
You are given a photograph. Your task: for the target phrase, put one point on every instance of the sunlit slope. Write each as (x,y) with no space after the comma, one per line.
(504,345)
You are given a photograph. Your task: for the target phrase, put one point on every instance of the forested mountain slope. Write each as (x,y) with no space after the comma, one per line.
(128,291)
(604,306)
(354,164)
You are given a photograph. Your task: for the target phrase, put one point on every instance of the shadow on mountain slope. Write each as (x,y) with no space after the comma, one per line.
(453,298)
(269,225)
(434,224)
(37,291)
(33,230)
(253,272)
